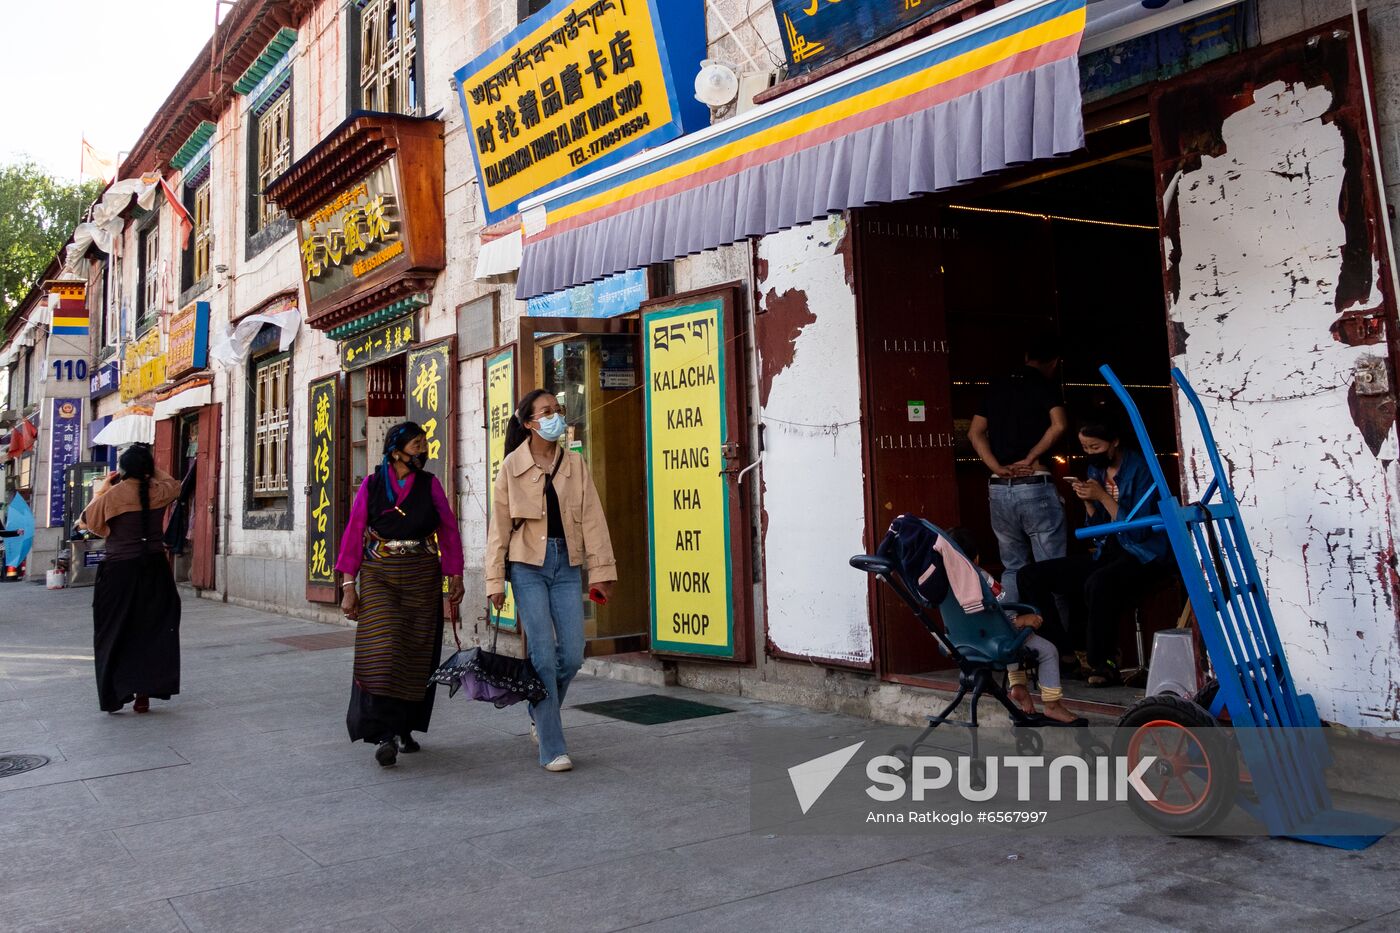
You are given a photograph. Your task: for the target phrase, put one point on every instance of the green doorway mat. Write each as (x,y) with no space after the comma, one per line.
(652,709)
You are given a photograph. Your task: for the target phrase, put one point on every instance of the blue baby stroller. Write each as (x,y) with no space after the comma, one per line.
(982,643)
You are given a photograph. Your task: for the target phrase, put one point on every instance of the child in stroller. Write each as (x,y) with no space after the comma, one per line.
(1046,653)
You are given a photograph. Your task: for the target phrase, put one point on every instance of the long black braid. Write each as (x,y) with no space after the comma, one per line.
(138,463)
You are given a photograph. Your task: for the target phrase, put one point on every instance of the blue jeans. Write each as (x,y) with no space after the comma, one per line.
(1029,521)
(549,603)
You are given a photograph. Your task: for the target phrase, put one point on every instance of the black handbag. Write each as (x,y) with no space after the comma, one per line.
(489,676)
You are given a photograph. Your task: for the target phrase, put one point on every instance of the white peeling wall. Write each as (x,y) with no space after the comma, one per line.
(813,482)
(1261,251)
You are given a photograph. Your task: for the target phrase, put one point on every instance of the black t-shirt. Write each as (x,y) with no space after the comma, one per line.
(551,505)
(1017,409)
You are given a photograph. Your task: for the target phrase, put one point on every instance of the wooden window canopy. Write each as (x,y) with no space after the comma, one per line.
(368,201)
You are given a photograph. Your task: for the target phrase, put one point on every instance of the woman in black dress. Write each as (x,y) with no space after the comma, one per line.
(135,605)
(402,538)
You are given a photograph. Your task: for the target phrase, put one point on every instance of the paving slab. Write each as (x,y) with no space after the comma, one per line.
(241,805)
(150,917)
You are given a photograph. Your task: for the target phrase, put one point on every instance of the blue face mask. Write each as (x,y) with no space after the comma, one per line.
(552,428)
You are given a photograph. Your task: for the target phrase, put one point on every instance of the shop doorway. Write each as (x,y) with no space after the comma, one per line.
(377,403)
(951,285)
(204,507)
(597,379)
(181,526)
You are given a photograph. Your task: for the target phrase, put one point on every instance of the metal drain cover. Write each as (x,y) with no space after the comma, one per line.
(18,764)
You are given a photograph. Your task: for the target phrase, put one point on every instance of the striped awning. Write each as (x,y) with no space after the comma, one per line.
(998,90)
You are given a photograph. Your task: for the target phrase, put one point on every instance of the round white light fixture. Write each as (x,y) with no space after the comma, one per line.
(716,84)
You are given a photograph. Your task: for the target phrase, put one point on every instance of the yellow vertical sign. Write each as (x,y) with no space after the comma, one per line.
(500,405)
(429,403)
(687,496)
(322,522)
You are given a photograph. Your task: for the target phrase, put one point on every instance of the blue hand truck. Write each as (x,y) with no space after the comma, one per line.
(1275,730)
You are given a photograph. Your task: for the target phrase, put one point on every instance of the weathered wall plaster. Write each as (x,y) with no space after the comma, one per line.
(1261,244)
(813,486)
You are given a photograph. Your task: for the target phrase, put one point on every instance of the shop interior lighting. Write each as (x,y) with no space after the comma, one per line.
(1063,217)
(1068,385)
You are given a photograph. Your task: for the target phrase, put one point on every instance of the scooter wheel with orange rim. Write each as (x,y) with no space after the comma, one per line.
(1195,771)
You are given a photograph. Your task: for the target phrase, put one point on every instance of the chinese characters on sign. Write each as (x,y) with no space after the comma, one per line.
(379,344)
(66,442)
(143,366)
(581,87)
(816,32)
(322,522)
(430,404)
(356,233)
(500,406)
(188,345)
(687,499)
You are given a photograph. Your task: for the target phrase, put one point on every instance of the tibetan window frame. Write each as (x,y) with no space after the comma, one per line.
(148,274)
(197,261)
(270,389)
(271,156)
(385,72)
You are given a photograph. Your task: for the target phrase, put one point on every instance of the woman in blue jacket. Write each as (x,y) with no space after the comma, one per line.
(1099,587)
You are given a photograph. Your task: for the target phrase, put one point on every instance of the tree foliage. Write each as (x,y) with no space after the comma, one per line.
(37,214)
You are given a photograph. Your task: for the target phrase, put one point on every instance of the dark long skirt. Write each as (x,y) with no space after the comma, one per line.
(136,630)
(398,641)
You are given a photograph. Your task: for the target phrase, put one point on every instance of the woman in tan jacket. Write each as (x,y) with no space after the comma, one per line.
(546,523)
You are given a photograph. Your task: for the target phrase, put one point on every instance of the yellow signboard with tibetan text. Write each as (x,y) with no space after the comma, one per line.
(575,87)
(687,494)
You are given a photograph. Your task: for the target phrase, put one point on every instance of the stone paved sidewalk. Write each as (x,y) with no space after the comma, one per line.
(241,806)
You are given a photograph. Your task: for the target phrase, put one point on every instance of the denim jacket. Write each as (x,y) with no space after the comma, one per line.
(1134,481)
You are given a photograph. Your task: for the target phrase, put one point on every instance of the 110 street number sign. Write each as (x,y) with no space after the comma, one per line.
(70,370)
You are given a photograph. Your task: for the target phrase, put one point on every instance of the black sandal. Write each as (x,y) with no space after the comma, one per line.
(408,745)
(387,753)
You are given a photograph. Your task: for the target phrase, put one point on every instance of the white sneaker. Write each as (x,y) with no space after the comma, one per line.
(562,763)
(534,736)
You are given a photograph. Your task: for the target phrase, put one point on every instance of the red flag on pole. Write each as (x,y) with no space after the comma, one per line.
(181,215)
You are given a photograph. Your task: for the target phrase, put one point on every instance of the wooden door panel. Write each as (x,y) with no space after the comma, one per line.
(909,431)
(206,499)
(164,449)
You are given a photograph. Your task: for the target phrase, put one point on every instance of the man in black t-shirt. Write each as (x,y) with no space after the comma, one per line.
(1021,418)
